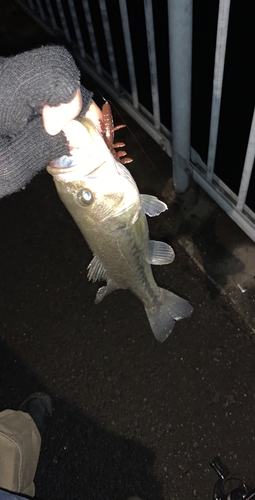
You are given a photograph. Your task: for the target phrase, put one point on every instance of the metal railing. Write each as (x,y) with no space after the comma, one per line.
(76,21)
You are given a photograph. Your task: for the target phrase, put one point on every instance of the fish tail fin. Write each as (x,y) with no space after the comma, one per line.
(162,318)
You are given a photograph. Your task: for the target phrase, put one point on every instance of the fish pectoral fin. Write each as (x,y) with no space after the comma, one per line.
(96,271)
(152,205)
(105,290)
(160,253)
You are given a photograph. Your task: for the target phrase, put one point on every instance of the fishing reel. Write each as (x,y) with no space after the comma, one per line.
(230,487)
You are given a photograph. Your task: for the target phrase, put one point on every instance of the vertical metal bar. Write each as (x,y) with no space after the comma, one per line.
(152,61)
(109,44)
(248,166)
(31,4)
(92,36)
(51,14)
(77,28)
(40,9)
(63,20)
(129,51)
(180,51)
(221,41)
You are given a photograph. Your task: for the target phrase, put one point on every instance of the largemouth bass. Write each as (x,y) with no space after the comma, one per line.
(103,199)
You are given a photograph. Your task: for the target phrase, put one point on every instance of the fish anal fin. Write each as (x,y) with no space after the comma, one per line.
(160,253)
(152,205)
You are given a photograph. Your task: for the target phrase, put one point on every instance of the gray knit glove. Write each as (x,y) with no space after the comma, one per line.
(28,81)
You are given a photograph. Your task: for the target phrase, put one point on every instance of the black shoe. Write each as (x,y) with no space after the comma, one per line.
(39,407)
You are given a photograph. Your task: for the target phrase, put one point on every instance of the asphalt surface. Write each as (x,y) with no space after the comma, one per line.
(131,416)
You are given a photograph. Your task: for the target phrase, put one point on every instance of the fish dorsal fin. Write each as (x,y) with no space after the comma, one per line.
(160,253)
(96,271)
(152,206)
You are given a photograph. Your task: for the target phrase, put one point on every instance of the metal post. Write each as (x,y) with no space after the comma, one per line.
(109,44)
(40,9)
(220,51)
(129,51)
(77,28)
(63,20)
(248,167)
(51,14)
(92,36)
(180,51)
(152,61)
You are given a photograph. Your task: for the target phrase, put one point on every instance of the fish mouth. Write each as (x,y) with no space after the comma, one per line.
(68,164)
(62,165)
(83,160)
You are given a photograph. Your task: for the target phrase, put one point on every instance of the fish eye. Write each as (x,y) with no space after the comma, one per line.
(84,196)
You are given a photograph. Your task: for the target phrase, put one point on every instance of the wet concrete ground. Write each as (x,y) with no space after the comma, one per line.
(131,416)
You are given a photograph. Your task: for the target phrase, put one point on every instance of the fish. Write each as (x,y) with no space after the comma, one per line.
(102,197)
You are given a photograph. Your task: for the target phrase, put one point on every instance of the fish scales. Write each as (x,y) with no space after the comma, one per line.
(103,199)
(122,247)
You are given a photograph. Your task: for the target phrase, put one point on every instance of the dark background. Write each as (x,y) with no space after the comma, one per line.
(130,416)
(238,96)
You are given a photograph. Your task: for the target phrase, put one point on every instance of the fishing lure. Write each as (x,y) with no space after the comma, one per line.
(108,135)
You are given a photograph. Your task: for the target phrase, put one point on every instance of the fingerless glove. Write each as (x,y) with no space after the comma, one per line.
(28,81)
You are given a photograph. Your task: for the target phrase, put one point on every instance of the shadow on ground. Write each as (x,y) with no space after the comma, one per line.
(79,459)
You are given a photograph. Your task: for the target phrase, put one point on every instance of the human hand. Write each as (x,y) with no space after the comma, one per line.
(75,132)
(94,113)
(62,117)
(55,118)
(29,81)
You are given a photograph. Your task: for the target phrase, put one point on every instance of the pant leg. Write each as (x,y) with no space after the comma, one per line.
(20,443)
(5,495)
